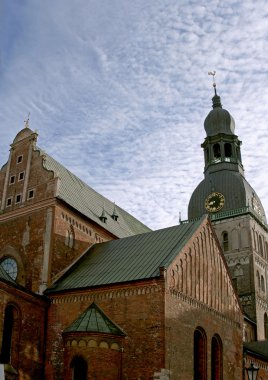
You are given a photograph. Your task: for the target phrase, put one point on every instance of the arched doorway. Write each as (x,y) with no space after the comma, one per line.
(79,368)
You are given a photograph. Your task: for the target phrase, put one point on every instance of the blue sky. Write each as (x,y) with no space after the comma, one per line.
(118,91)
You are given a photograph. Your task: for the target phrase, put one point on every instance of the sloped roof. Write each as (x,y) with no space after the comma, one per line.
(88,202)
(129,259)
(257,347)
(93,319)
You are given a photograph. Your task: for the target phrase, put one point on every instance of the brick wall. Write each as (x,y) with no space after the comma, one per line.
(138,309)
(27,355)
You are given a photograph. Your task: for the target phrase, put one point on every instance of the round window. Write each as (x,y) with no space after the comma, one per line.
(11,267)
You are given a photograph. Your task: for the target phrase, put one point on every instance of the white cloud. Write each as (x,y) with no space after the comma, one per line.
(119,91)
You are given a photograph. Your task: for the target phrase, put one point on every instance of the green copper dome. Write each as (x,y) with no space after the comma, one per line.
(224,188)
(219,120)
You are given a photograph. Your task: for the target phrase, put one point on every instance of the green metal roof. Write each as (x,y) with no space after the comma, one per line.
(93,319)
(88,202)
(129,259)
(259,347)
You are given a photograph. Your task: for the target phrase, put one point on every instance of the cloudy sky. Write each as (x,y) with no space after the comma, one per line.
(118,91)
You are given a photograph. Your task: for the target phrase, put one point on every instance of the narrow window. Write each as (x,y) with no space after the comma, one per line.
(9,202)
(258,279)
(18,198)
(79,368)
(200,354)
(12,180)
(217,150)
(216,358)
(30,194)
(19,159)
(21,176)
(260,246)
(225,241)
(262,283)
(228,150)
(7,335)
(266,326)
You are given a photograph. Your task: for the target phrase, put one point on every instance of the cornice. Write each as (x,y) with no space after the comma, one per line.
(24,210)
(199,305)
(108,294)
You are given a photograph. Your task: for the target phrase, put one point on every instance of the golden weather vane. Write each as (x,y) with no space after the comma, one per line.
(26,122)
(213,73)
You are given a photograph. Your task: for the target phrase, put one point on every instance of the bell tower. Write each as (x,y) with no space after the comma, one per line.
(236,213)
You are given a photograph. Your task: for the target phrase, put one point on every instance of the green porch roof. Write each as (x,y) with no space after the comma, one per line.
(129,259)
(93,319)
(88,202)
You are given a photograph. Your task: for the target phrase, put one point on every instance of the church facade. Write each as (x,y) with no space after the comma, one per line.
(89,292)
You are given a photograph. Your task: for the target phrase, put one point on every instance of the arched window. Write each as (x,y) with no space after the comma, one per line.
(200,354)
(217,150)
(10,339)
(258,279)
(216,358)
(225,241)
(228,150)
(79,368)
(260,246)
(262,283)
(265,326)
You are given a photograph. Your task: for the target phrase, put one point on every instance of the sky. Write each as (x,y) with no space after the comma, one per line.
(118,91)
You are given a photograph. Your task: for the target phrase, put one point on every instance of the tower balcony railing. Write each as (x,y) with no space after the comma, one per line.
(233,213)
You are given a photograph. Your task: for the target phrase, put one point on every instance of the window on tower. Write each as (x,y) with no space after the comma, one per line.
(217,152)
(19,159)
(262,284)
(21,176)
(12,180)
(225,241)
(228,150)
(18,198)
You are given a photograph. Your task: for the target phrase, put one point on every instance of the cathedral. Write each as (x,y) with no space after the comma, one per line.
(89,292)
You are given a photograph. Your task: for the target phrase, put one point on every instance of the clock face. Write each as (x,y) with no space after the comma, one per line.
(214,202)
(256,206)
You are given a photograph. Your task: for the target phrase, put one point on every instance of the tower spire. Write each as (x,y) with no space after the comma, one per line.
(213,73)
(26,122)
(216,100)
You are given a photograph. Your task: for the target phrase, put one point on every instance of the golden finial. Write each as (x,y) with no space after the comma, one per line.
(213,73)
(26,122)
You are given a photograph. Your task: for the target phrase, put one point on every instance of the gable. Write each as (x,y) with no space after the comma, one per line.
(200,272)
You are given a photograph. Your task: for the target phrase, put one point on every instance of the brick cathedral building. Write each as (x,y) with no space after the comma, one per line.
(89,292)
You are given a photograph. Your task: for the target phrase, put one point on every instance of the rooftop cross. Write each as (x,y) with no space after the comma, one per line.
(213,73)
(26,122)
